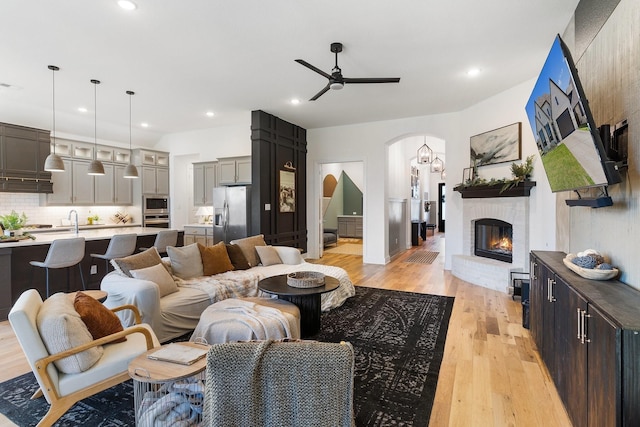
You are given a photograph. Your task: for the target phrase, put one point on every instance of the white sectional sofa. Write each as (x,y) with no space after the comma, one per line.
(176,311)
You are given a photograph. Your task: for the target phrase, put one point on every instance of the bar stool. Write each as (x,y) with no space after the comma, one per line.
(164,238)
(120,245)
(63,253)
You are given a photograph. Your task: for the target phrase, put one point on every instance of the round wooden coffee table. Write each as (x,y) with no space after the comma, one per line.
(308,300)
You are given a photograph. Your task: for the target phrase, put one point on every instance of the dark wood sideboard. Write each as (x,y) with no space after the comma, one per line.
(588,335)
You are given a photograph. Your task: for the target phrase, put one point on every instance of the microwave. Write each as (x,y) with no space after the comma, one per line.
(156,205)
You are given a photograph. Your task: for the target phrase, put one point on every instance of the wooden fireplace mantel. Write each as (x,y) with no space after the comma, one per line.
(485,191)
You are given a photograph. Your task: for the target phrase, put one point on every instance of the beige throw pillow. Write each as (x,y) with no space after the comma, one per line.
(268,255)
(289,255)
(61,329)
(186,261)
(248,245)
(137,261)
(158,275)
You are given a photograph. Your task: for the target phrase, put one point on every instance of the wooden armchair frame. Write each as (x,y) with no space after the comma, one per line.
(61,404)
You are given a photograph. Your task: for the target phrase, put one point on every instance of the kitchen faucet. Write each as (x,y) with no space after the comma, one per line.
(75,212)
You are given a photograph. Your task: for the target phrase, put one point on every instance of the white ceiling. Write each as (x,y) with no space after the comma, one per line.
(183,58)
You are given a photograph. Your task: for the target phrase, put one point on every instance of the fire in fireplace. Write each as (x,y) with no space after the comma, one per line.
(493,239)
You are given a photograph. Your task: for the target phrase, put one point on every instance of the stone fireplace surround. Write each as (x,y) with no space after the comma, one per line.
(487,272)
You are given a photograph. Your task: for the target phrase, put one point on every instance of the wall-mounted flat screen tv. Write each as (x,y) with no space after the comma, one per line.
(568,141)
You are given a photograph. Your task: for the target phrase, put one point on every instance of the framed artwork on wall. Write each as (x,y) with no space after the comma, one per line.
(497,146)
(287,191)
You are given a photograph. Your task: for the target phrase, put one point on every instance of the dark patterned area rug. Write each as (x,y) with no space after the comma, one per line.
(398,339)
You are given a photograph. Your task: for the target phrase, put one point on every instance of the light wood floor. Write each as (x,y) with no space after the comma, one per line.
(491,374)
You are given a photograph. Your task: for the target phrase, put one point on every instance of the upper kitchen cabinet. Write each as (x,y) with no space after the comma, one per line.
(234,170)
(23,152)
(75,187)
(154,171)
(205,179)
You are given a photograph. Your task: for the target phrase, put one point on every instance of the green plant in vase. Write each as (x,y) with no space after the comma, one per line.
(521,172)
(13,223)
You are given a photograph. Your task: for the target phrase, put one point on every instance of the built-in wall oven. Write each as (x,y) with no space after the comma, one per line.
(155,212)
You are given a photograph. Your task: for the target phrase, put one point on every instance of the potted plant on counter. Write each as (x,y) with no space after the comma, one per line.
(12,223)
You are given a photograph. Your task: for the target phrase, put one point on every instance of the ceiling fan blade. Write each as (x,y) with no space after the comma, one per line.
(313,68)
(319,94)
(373,80)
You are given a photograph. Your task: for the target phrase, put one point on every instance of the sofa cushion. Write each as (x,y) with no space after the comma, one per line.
(268,255)
(99,319)
(289,255)
(137,261)
(158,275)
(61,329)
(248,245)
(237,257)
(186,261)
(215,259)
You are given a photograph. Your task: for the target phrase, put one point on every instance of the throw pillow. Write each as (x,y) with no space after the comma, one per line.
(237,257)
(289,255)
(61,329)
(247,245)
(268,255)
(158,275)
(186,262)
(215,259)
(99,319)
(137,261)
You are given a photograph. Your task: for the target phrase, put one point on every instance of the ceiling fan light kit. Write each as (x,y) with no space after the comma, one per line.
(336,79)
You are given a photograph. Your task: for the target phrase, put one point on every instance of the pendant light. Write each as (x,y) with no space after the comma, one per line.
(437,165)
(95,167)
(130,171)
(425,154)
(53,162)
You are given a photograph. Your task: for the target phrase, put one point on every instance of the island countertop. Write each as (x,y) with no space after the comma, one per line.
(18,275)
(97,233)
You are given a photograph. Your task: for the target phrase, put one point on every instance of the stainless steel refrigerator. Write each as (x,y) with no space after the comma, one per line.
(231,213)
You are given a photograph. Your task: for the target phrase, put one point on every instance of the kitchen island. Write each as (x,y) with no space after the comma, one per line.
(16,273)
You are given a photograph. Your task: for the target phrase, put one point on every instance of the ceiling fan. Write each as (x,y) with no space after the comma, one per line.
(337,80)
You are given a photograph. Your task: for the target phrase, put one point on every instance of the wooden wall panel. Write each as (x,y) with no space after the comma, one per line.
(275,143)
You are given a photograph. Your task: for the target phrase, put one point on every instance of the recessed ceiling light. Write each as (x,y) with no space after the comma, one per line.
(473,72)
(295,101)
(144,124)
(210,114)
(127,5)
(82,109)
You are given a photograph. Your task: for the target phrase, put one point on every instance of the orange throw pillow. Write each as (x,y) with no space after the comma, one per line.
(215,259)
(99,319)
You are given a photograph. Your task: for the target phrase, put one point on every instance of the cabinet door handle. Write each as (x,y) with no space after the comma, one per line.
(551,283)
(585,316)
(579,324)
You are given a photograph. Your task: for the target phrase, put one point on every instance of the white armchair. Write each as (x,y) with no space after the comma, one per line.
(63,390)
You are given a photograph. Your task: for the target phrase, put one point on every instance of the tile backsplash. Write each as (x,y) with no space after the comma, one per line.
(36,214)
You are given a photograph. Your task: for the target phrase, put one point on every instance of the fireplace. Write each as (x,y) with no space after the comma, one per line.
(493,239)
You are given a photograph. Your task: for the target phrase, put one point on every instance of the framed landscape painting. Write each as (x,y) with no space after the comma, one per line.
(497,146)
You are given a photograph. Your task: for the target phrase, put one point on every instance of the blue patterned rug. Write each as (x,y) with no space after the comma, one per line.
(398,339)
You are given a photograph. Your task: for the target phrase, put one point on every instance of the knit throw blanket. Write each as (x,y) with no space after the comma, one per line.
(270,383)
(244,320)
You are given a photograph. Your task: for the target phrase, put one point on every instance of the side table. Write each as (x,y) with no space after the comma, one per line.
(308,300)
(165,390)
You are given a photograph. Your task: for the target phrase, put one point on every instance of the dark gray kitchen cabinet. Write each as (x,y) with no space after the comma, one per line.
(23,151)
(588,334)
